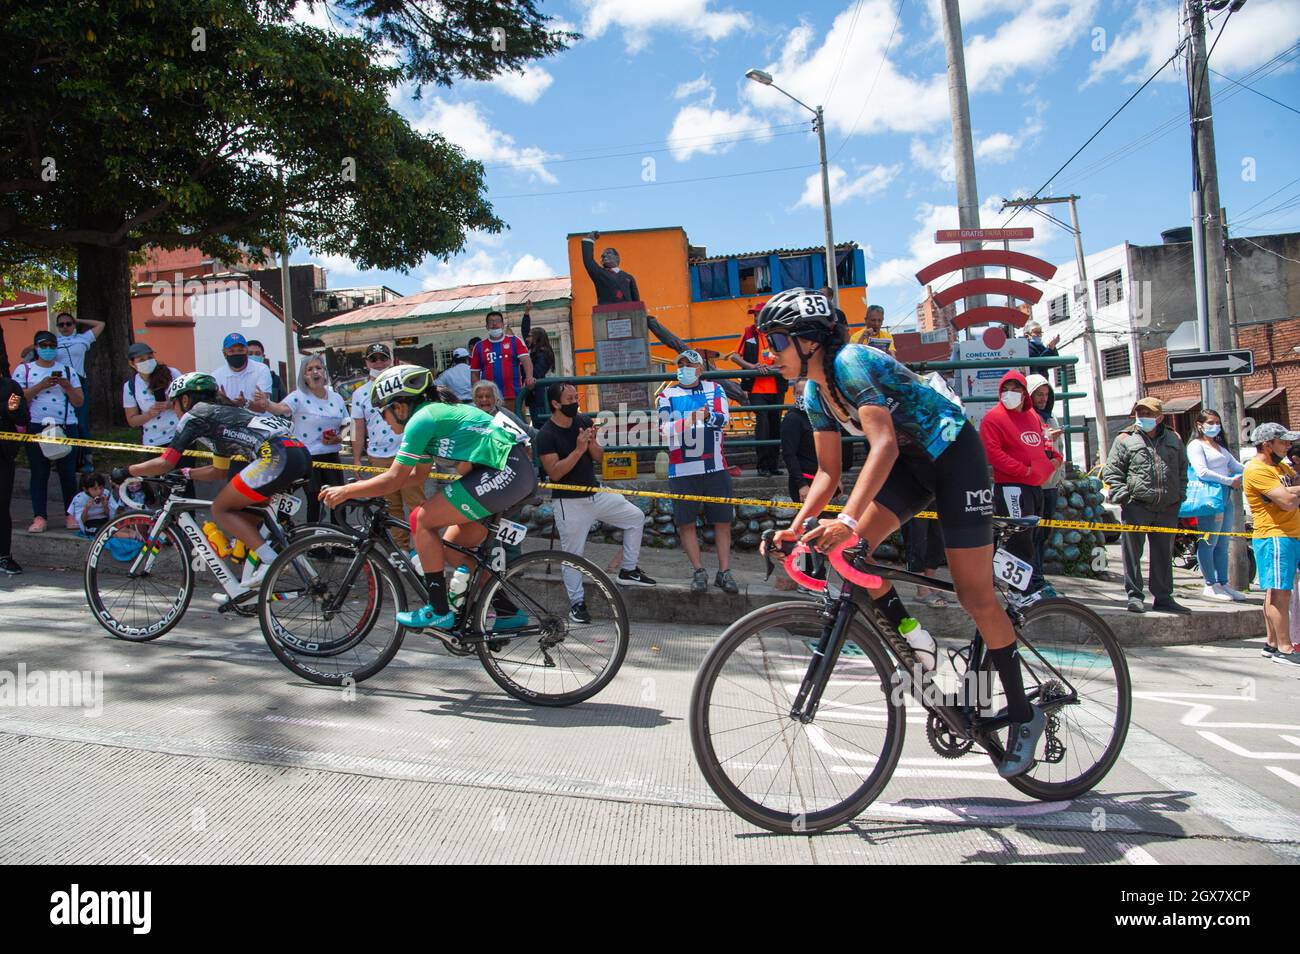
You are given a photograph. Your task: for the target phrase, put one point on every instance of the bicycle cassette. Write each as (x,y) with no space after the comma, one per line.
(942,739)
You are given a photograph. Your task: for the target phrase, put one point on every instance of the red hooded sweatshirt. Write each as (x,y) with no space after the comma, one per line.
(1013,441)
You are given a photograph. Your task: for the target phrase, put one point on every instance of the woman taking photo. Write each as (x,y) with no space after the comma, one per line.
(318,413)
(53,392)
(144,397)
(1213,463)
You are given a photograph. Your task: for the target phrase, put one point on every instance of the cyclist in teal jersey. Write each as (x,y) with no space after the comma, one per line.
(921,449)
(493,461)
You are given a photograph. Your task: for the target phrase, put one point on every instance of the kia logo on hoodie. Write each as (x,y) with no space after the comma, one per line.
(1032,438)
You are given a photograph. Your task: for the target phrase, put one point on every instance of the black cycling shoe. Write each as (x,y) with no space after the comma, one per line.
(578,614)
(9,566)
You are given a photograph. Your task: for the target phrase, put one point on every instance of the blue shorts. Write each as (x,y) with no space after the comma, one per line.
(1276,561)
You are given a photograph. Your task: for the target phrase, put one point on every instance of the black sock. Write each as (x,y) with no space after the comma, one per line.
(436,584)
(1007,663)
(891,607)
(502,604)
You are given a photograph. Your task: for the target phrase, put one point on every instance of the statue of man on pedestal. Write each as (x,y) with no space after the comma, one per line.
(613,285)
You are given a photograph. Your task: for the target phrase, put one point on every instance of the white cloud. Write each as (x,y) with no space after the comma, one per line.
(700,128)
(1252,37)
(466,126)
(481,267)
(1029,40)
(689,89)
(1000,147)
(527,87)
(638,19)
(338,265)
(862,184)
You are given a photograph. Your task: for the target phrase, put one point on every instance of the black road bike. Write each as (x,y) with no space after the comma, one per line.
(798,713)
(141,571)
(328,604)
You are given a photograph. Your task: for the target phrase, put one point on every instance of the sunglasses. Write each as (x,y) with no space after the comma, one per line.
(65,324)
(376,358)
(778,341)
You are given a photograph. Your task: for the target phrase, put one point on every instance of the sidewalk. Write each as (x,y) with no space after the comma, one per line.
(672,599)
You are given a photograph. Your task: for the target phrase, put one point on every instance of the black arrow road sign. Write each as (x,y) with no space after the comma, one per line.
(1213,364)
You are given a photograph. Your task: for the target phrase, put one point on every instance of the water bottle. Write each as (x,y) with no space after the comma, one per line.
(415,562)
(456,590)
(661,465)
(922,643)
(217,539)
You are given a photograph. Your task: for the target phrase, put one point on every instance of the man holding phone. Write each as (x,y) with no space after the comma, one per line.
(568,448)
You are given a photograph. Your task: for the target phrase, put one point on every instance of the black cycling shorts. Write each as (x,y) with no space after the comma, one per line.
(487,490)
(958,483)
(278,464)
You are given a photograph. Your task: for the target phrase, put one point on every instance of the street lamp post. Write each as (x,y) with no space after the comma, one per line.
(819,123)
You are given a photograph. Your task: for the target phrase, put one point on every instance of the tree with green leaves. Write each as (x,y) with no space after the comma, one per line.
(215,123)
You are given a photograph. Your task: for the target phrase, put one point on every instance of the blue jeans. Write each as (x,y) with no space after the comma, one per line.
(41,466)
(1212,552)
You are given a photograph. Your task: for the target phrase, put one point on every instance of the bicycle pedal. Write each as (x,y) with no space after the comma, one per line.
(451,643)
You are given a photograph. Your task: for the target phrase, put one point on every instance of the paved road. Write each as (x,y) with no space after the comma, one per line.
(207,750)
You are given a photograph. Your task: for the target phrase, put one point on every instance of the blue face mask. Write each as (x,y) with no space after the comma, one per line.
(1211,430)
(688,376)
(1147,424)
(47,354)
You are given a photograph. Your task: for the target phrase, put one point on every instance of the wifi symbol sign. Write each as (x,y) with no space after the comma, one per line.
(988,314)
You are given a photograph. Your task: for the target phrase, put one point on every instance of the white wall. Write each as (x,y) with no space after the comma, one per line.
(219,310)
(1113,324)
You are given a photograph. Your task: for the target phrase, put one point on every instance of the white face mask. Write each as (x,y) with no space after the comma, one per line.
(376,372)
(146,367)
(1011,400)
(496,334)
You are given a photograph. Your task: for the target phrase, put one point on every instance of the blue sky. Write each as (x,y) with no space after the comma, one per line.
(607,134)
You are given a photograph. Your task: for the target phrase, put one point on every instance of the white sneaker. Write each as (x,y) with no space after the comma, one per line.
(221,597)
(252,575)
(1212,592)
(1229,592)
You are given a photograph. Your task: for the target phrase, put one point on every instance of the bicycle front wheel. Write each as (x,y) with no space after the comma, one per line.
(316,635)
(144,603)
(554,658)
(1066,646)
(772,769)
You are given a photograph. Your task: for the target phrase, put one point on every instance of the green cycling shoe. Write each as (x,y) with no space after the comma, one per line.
(426,618)
(506,624)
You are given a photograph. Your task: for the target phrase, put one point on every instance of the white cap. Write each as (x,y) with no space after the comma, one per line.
(460,353)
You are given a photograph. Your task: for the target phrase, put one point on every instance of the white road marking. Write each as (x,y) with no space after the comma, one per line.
(1285,775)
(1135,854)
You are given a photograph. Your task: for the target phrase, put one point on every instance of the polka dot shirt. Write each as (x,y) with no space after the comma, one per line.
(380,439)
(313,416)
(137,398)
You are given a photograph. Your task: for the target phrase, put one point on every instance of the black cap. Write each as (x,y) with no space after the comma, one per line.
(379,348)
(45,336)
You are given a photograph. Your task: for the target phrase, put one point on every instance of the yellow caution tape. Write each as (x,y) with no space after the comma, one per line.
(628,492)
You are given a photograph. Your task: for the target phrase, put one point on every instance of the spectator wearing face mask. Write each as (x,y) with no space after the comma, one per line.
(1272,492)
(1034,332)
(1043,399)
(373,438)
(1146,474)
(240,379)
(693,415)
(94,506)
(502,359)
(13,420)
(144,397)
(76,336)
(257,352)
(318,413)
(1022,460)
(1213,463)
(53,393)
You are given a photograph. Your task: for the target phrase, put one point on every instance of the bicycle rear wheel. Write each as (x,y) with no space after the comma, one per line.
(773,770)
(1083,738)
(145,605)
(331,648)
(553,660)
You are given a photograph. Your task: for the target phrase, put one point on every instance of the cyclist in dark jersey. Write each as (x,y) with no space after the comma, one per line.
(920,448)
(276,460)
(496,473)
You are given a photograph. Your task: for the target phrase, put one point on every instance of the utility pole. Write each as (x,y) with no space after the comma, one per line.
(290,340)
(1082,296)
(1208,227)
(832,276)
(963,150)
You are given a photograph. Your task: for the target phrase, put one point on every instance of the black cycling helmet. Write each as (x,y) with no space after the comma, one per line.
(799,313)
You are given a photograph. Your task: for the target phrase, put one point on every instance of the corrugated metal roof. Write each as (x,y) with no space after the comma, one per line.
(818,249)
(448,301)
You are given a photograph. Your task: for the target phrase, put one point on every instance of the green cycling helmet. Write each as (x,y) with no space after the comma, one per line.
(194,382)
(408,382)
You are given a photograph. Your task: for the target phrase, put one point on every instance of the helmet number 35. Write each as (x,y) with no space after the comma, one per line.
(812,305)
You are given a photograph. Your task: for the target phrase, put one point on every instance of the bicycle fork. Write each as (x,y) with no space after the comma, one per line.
(809,696)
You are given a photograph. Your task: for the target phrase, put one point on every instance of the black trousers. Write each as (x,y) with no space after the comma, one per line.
(319,477)
(1042,534)
(1161,572)
(1019,500)
(767,427)
(6,497)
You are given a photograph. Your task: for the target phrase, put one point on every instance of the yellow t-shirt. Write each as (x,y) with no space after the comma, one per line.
(1270,519)
(882,339)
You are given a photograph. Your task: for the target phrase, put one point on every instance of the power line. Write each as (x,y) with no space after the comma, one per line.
(644,185)
(1255,91)
(857,9)
(898,15)
(1269,250)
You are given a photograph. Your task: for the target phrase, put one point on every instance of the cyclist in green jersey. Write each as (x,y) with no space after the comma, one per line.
(493,461)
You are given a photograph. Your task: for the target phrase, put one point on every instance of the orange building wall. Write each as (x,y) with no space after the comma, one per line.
(657,258)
